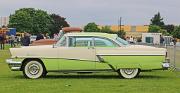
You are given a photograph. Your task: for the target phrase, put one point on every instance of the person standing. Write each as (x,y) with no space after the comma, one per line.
(26,40)
(39,36)
(174,41)
(18,40)
(12,41)
(55,37)
(2,41)
(47,36)
(161,40)
(131,40)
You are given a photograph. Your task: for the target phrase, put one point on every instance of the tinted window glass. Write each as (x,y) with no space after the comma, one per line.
(122,41)
(102,42)
(80,41)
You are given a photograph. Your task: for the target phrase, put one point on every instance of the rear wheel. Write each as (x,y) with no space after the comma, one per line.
(129,72)
(34,69)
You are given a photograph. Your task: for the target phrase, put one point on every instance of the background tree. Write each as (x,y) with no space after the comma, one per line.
(154,29)
(176,32)
(169,28)
(164,32)
(58,23)
(106,29)
(91,27)
(157,25)
(157,20)
(30,20)
(121,34)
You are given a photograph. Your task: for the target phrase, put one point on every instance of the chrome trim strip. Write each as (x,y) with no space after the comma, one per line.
(129,55)
(14,65)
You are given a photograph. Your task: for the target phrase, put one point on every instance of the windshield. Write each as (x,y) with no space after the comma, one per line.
(122,41)
(60,34)
(62,41)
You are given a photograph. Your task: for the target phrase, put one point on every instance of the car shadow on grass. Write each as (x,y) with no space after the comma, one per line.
(82,77)
(151,77)
(93,76)
(99,77)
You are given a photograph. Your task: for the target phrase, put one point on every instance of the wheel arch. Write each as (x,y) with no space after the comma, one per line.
(29,59)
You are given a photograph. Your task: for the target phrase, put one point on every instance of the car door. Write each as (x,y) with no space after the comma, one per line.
(78,55)
(104,48)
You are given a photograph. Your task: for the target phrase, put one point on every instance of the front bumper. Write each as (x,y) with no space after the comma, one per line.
(14,65)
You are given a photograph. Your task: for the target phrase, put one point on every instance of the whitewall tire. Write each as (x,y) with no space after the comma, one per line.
(129,72)
(33,69)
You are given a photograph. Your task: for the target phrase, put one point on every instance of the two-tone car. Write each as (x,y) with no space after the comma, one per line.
(87,52)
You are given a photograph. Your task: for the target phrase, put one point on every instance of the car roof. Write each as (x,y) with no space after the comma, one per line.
(112,36)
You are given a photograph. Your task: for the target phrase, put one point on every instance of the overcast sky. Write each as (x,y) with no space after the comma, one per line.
(103,12)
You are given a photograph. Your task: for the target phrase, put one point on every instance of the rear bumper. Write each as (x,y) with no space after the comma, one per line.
(14,65)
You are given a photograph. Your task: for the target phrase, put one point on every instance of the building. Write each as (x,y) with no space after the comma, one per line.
(134,31)
(4,21)
(151,38)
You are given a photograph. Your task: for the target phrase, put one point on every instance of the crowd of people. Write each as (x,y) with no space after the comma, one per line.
(14,41)
(26,41)
(131,40)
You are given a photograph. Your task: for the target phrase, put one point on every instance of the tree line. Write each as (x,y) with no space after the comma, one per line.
(93,27)
(157,25)
(36,21)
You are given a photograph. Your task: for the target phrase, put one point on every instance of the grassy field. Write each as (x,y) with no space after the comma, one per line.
(148,82)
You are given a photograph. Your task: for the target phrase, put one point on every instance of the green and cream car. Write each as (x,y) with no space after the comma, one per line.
(87,52)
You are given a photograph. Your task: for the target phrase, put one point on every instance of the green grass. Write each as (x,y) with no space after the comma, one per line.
(148,82)
(4,54)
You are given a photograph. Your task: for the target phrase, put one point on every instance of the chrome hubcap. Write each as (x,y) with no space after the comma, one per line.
(33,69)
(128,71)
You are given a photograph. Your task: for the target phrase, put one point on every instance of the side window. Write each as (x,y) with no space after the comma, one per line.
(80,41)
(102,42)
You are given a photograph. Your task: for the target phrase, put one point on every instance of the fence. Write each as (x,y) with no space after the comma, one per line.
(173,54)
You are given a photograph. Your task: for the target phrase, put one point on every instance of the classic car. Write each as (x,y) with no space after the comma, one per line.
(90,52)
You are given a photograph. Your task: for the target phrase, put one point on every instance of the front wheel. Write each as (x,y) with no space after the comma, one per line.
(33,69)
(129,72)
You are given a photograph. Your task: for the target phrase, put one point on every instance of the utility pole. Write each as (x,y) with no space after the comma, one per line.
(119,23)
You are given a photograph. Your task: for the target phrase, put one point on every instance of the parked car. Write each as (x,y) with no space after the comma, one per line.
(87,52)
(43,42)
(33,38)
